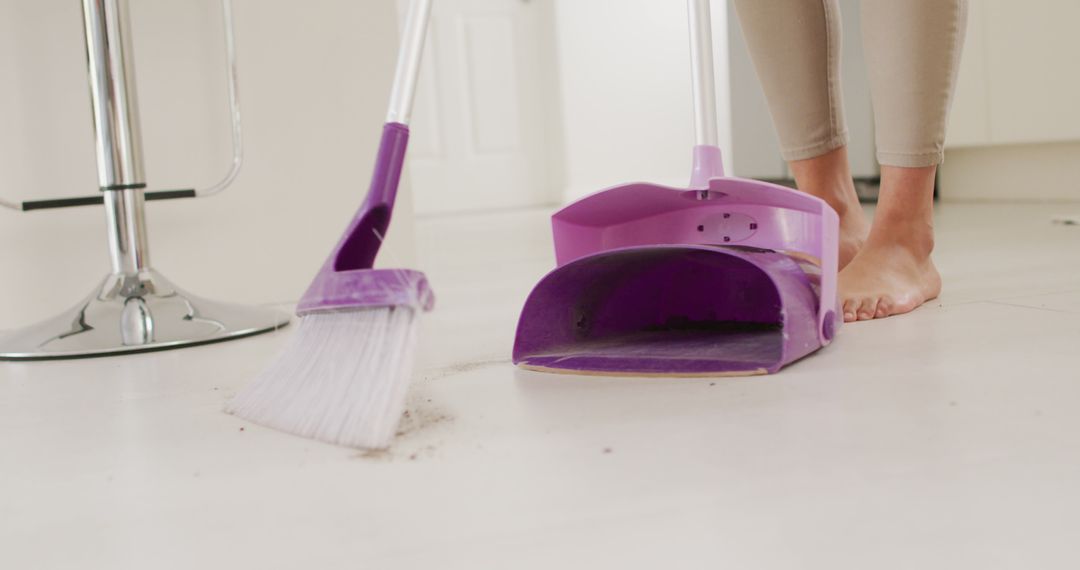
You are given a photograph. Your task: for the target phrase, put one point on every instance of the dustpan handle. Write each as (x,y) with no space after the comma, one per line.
(707,160)
(702,74)
(408,64)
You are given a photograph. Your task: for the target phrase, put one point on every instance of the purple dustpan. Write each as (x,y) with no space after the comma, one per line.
(728,277)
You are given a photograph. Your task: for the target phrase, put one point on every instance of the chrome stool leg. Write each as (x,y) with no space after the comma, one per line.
(135,308)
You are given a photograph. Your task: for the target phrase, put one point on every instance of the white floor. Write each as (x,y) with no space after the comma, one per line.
(949,438)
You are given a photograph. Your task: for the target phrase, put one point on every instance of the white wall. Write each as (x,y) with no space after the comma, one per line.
(625,90)
(1047,172)
(1014,130)
(314,79)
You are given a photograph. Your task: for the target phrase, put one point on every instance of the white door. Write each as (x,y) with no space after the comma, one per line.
(481,136)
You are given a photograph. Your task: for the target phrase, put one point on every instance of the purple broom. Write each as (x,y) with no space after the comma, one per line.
(345,372)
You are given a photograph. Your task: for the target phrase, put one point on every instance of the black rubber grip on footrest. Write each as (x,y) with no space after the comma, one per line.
(99,199)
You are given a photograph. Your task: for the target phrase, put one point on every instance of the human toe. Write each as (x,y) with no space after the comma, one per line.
(867,308)
(884,307)
(850,306)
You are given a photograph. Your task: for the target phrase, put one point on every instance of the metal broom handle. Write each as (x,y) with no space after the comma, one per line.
(701,70)
(408,64)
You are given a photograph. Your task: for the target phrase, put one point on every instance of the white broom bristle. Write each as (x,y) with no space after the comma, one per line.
(342,378)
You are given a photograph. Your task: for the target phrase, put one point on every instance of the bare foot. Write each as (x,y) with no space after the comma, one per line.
(887,279)
(829,177)
(893,273)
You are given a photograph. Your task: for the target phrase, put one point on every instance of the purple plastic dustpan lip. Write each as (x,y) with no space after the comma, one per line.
(541,348)
(347,279)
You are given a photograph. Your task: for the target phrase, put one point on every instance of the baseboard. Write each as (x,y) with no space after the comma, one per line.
(1048,172)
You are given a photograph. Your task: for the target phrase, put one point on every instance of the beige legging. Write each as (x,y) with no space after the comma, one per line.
(912,50)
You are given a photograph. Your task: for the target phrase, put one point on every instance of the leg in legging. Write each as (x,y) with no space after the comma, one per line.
(912,51)
(795,47)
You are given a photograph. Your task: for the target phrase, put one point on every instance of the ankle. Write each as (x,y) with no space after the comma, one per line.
(905,213)
(828,177)
(915,236)
(841,197)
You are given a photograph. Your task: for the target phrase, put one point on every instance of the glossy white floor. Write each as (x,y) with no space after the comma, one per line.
(949,438)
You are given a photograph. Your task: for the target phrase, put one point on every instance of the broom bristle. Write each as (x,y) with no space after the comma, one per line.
(342,378)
